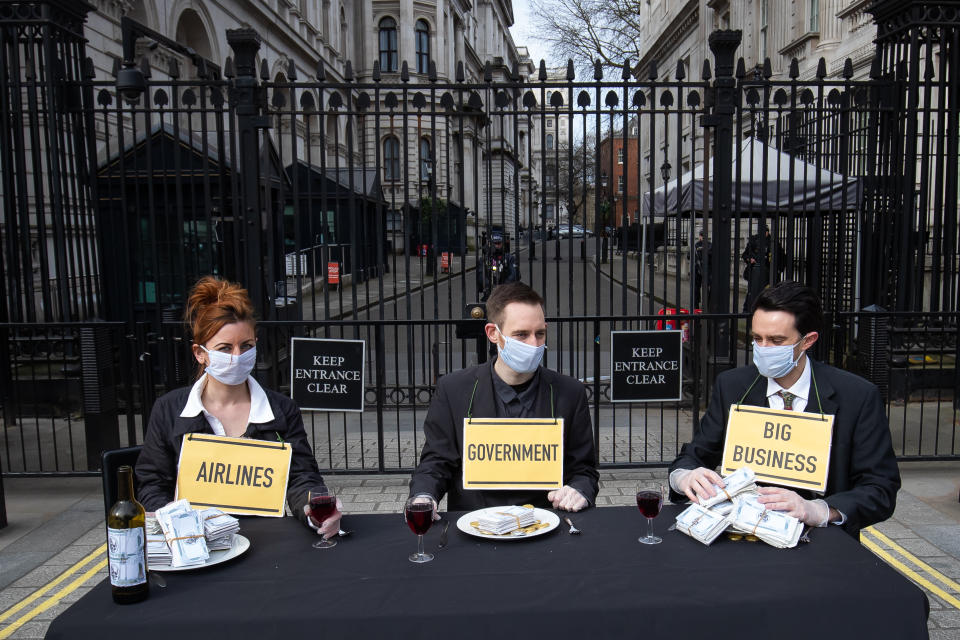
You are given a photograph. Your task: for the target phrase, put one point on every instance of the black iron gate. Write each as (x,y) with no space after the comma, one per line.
(360,209)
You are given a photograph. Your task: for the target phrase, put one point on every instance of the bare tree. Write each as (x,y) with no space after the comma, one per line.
(588,30)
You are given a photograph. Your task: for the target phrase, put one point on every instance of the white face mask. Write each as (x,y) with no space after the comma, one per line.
(520,356)
(230,369)
(777,361)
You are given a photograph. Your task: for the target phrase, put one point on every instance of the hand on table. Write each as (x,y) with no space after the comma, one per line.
(567,498)
(329,527)
(807,511)
(698,484)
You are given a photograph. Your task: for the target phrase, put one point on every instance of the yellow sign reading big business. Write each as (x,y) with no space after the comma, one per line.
(512,453)
(789,448)
(235,475)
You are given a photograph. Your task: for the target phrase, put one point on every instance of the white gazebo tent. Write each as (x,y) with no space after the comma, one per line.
(766,181)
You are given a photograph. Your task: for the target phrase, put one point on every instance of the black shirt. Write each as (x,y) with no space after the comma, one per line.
(516,402)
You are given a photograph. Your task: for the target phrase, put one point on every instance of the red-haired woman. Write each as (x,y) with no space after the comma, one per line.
(226,401)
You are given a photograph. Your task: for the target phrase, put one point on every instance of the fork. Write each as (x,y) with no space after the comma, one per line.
(573,530)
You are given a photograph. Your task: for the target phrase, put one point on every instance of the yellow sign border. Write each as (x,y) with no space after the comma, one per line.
(270,512)
(489,485)
(809,485)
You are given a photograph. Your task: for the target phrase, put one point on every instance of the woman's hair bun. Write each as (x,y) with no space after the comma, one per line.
(213,303)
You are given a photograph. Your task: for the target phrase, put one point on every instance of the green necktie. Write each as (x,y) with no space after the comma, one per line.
(787,399)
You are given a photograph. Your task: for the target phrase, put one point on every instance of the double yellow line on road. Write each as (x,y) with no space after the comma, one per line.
(926,577)
(97,556)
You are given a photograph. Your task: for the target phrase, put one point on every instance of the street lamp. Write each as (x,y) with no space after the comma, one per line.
(665,171)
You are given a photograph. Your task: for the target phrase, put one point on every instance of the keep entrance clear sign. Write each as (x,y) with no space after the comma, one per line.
(645,366)
(327,375)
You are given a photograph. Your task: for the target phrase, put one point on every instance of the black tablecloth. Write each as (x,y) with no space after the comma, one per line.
(601,584)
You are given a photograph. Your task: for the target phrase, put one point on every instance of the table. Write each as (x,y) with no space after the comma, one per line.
(601,584)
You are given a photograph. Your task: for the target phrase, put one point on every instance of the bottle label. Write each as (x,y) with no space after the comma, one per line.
(128,562)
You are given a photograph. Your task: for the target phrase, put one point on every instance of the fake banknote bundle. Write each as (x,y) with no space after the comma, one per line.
(740,481)
(183,531)
(701,523)
(773,527)
(218,529)
(506,519)
(736,508)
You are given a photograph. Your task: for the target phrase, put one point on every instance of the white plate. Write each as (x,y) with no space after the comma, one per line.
(550,518)
(240,546)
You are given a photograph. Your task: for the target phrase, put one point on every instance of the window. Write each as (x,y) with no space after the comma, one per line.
(391,158)
(423,46)
(426,161)
(620,155)
(619,184)
(633,131)
(815,15)
(388,44)
(548,180)
(550,124)
(548,211)
(549,141)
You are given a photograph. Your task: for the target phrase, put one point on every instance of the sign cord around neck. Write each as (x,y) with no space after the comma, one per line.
(816,390)
(743,397)
(470,407)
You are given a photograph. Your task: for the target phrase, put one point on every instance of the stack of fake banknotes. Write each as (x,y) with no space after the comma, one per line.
(183,531)
(218,528)
(735,508)
(158,551)
(506,519)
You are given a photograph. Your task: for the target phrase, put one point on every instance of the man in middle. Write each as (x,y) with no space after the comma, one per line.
(513,385)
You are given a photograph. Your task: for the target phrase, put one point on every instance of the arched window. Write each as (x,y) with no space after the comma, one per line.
(388,45)
(426,161)
(423,46)
(549,141)
(391,158)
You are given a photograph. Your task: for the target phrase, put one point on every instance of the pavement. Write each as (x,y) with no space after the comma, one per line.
(52,552)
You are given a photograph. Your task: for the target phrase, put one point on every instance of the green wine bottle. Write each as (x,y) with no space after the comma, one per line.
(127,543)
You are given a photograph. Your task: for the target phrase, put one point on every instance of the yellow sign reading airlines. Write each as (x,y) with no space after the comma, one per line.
(512,453)
(235,475)
(789,448)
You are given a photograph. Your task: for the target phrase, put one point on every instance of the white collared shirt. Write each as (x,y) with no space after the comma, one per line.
(260,411)
(800,389)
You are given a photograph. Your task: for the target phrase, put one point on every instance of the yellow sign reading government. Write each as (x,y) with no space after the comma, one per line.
(790,448)
(512,453)
(235,475)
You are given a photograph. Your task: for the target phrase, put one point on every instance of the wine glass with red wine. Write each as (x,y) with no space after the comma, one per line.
(650,501)
(323,504)
(419,515)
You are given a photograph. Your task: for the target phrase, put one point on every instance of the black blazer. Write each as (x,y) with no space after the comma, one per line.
(157,465)
(440,470)
(863,479)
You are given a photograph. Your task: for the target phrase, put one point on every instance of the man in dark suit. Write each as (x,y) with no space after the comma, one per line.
(513,385)
(863,476)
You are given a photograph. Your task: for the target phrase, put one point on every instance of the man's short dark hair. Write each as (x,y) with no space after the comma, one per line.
(504,294)
(794,298)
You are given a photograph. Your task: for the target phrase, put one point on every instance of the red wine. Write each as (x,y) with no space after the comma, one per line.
(649,503)
(322,507)
(419,517)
